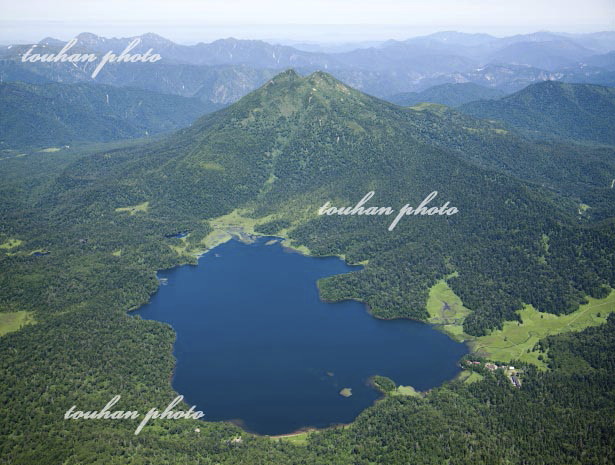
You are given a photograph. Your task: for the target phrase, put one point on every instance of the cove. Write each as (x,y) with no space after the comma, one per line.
(256,345)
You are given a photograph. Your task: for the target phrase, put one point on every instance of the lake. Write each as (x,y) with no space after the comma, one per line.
(256,345)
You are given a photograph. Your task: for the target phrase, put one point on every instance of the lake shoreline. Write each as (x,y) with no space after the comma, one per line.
(344,267)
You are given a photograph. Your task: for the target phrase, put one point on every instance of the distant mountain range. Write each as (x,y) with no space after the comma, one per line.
(224,70)
(451,95)
(58,114)
(472,49)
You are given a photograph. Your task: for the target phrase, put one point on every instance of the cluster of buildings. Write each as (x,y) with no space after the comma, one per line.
(509,371)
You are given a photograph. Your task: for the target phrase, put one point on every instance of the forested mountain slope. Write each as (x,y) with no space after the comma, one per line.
(296,143)
(571,111)
(279,154)
(58,114)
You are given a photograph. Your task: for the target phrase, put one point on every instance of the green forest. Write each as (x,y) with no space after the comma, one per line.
(84,229)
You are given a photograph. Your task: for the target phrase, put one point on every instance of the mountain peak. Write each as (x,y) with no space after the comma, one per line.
(286,75)
(88,37)
(318,82)
(52,41)
(322,77)
(289,95)
(151,37)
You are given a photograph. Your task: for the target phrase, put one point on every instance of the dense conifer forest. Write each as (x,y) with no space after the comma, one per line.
(84,230)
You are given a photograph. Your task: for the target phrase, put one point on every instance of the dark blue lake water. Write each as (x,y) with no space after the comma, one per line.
(255,344)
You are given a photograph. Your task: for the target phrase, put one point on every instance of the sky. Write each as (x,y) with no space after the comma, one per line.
(191,21)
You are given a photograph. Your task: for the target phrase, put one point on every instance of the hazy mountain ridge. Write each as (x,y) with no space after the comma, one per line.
(451,95)
(57,114)
(392,67)
(549,55)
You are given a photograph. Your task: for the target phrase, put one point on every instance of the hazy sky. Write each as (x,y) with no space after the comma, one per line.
(316,20)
